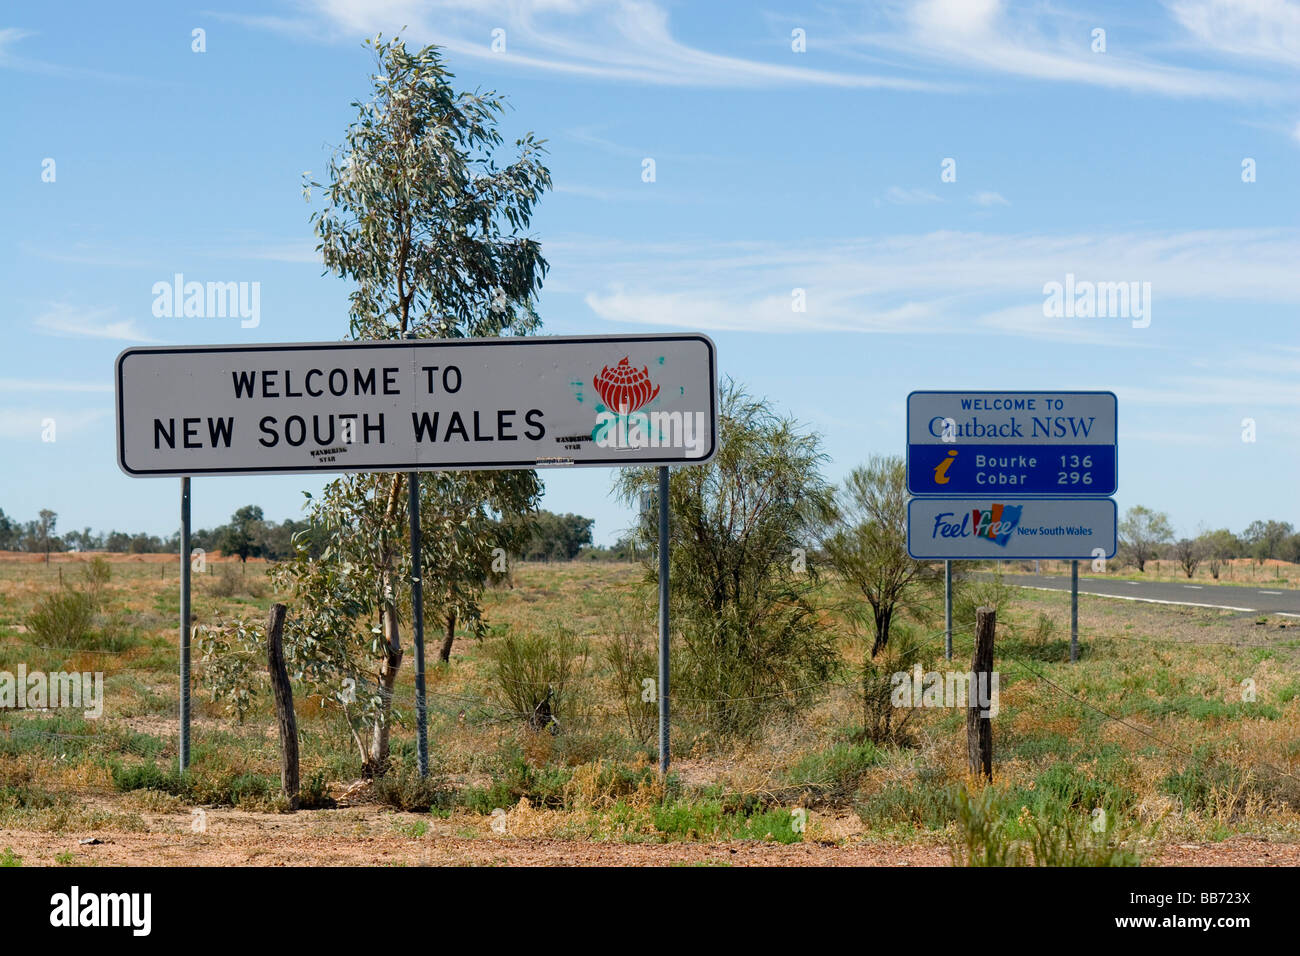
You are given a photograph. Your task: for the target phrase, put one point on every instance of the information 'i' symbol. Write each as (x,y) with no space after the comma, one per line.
(941,469)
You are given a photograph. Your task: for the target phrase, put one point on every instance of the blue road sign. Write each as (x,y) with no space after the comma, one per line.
(1061,444)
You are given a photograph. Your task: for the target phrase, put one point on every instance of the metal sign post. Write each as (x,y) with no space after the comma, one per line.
(947,610)
(417,625)
(663,620)
(1074,611)
(184,749)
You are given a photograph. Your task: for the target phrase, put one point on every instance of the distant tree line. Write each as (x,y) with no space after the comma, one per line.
(246,535)
(1147,535)
(556,537)
(546,536)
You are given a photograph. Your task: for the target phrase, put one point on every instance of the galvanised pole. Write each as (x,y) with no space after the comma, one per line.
(185,625)
(663,620)
(947,610)
(1074,611)
(417,625)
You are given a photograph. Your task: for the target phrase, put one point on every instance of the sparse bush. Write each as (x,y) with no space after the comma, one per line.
(406,790)
(1044,628)
(24,796)
(98,573)
(71,618)
(925,803)
(996,828)
(250,791)
(544,787)
(983,590)
(312,795)
(882,722)
(64,619)
(147,776)
(228,584)
(536,676)
(833,775)
(631,656)
(710,820)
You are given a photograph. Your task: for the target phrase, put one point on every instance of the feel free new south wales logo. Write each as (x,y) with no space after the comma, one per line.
(996,523)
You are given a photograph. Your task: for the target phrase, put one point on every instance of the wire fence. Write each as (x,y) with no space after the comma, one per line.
(142,735)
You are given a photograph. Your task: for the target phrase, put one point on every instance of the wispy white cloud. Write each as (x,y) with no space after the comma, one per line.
(1251,29)
(65,321)
(1028,321)
(1040,42)
(988,198)
(11,37)
(600,39)
(941,282)
(906,43)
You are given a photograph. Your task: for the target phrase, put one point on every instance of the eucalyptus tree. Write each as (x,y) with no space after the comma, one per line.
(430,230)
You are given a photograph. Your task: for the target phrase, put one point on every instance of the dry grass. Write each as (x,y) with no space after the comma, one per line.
(1187,755)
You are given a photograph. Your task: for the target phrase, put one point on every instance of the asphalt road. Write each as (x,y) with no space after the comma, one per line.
(1245,599)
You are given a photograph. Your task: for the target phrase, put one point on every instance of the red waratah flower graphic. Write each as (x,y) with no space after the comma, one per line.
(623,388)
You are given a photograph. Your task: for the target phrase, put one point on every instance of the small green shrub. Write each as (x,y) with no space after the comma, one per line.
(25,797)
(408,791)
(148,776)
(63,619)
(997,829)
(544,787)
(710,820)
(312,795)
(834,774)
(97,573)
(535,676)
(928,802)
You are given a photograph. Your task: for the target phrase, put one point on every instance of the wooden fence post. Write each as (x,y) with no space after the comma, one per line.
(283,705)
(979,730)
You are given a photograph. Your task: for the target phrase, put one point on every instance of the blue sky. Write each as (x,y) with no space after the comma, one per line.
(775,170)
